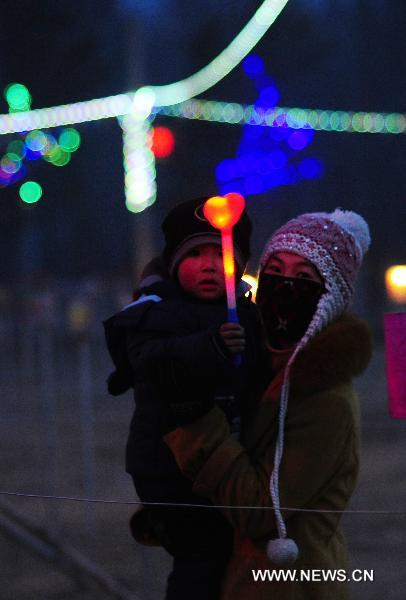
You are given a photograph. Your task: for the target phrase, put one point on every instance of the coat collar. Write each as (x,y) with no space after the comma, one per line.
(337,354)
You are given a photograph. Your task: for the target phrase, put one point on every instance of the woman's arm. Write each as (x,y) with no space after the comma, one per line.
(315,445)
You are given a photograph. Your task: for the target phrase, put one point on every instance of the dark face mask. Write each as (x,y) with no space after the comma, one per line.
(287,305)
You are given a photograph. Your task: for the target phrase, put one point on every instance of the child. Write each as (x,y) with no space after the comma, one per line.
(174,346)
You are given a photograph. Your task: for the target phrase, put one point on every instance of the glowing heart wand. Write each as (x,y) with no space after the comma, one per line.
(223,212)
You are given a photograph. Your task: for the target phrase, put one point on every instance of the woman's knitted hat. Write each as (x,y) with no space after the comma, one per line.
(335,243)
(186,227)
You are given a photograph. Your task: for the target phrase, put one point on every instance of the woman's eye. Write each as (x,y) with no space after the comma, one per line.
(273,269)
(304,275)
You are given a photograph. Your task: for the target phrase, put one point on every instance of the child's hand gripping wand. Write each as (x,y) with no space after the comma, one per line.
(223,212)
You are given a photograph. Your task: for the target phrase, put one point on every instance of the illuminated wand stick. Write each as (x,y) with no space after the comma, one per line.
(223,212)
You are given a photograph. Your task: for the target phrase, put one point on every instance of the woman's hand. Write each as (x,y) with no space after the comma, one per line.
(233,336)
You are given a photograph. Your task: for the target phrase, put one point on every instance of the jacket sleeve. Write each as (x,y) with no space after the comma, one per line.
(223,471)
(185,357)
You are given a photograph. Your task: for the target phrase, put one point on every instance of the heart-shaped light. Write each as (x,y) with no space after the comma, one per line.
(223,212)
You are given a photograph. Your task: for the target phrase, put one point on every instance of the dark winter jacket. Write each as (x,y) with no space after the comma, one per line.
(166,345)
(318,470)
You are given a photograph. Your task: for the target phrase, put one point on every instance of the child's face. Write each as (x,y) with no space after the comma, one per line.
(201,274)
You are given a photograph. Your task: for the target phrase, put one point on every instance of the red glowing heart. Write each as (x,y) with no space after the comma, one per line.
(223,212)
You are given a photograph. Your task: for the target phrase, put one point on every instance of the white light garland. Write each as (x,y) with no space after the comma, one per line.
(67,114)
(139,161)
(226,61)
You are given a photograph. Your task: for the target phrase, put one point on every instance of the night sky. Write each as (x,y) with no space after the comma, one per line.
(348,55)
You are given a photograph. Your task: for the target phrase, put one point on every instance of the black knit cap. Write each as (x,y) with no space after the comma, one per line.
(186,227)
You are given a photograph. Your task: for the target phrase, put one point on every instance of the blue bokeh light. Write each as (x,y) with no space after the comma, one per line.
(267,157)
(300,138)
(233,186)
(32,154)
(254,132)
(310,168)
(268,97)
(277,158)
(254,184)
(10,178)
(225,170)
(253,65)
(279,133)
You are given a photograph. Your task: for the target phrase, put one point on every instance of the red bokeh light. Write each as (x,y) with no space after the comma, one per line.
(162,142)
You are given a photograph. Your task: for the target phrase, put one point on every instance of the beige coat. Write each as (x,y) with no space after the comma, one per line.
(318,470)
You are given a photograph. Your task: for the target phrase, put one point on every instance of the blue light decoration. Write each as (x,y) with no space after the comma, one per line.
(267,157)
(34,144)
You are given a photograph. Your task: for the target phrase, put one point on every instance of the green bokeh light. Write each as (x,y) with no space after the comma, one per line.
(30,192)
(18,97)
(69,139)
(17,147)
(62,159)
(59,157)
(52,153)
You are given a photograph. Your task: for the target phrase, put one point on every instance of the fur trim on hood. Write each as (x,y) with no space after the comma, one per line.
(338,353)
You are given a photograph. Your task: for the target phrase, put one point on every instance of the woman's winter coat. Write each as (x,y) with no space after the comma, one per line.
(318,471)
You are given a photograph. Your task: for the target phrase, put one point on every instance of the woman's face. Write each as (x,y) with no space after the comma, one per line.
(287,264)
(289,290)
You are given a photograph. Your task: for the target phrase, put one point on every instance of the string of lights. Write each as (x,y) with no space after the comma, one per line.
(67,114)
(296,118)
(209,110)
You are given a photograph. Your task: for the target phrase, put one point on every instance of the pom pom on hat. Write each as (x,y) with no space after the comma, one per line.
(355,225)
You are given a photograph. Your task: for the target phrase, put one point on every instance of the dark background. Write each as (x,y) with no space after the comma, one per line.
(348,55)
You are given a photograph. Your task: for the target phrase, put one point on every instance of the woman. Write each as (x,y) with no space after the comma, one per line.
(299,450)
